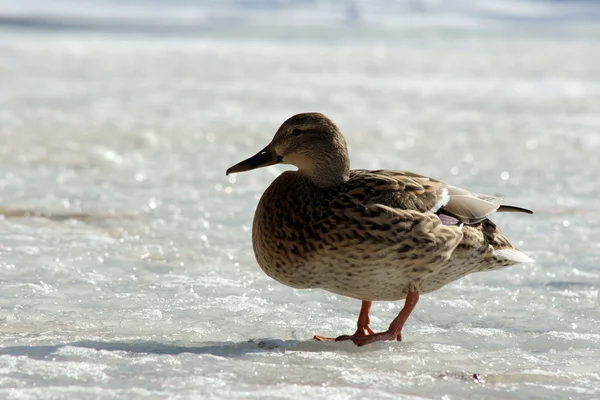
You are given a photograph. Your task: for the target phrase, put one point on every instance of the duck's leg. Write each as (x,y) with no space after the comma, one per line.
(363,325)
(395,330)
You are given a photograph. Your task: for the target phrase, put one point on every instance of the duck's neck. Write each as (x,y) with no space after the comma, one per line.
(332,172)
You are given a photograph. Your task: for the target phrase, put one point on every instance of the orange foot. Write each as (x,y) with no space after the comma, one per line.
(364,334)
(367,336)
(362,340)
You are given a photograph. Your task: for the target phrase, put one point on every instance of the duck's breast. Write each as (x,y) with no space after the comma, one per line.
(282,233)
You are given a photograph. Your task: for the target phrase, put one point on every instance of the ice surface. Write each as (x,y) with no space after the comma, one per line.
(125,253)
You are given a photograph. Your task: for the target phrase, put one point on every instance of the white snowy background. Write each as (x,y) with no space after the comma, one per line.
(126,267)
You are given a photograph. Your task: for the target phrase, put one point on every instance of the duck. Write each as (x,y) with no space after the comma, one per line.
(370,235)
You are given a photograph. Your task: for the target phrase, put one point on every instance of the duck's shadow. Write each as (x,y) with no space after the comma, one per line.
(221,349)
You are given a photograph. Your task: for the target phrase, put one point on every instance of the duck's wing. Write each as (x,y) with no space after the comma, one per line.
(403,190)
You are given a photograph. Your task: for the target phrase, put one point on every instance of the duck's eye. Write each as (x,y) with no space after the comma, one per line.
(296,132)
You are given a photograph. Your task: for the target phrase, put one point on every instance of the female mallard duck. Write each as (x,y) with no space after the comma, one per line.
(370,235)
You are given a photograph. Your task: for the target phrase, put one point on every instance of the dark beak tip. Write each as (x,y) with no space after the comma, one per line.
(263,158)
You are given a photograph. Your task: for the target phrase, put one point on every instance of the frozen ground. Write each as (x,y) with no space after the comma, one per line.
(125,255)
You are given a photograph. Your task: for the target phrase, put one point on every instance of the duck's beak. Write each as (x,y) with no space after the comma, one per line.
(263,158)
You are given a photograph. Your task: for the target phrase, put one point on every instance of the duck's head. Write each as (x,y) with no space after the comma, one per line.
(311,142)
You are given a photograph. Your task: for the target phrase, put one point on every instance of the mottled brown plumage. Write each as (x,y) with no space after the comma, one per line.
(370,235)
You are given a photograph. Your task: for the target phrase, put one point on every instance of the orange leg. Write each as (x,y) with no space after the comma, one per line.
(363,324)
(395,330)
(364,335)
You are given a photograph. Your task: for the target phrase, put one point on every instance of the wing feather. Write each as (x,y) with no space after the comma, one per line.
(404,190)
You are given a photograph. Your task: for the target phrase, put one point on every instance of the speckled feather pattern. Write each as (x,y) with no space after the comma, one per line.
(372,238)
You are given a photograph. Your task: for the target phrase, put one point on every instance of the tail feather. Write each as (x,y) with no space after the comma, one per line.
(506,208)
(515,255)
